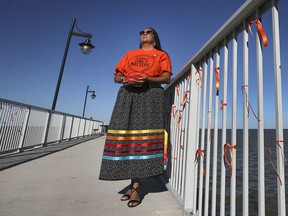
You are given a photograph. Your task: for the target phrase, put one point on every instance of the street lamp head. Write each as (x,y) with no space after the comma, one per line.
(86,46)
(93,96)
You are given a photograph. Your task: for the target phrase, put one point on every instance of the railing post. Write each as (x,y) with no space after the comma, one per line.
(85,122)
(260,87)
(62,128)
(208,136)
(71,129)
(189,189)
(24,129)
(224,129)
(47,128)
(245,141)
(233,123)
(215,142)
(203,129)
(278,109)
(79,127)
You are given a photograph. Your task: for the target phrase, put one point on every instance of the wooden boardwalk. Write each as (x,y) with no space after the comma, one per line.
(62,180)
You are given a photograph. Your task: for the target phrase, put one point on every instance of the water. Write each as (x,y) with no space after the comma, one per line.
(270,174)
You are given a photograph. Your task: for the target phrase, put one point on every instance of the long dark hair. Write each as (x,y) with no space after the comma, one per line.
(156,38)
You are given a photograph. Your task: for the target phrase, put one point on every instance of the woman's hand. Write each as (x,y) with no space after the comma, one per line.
(143,79)
(119,78)
(135,80)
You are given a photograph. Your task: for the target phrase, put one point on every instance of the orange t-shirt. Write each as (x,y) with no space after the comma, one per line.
(143,63)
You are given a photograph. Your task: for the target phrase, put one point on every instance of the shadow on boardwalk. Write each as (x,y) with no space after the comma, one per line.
(38,152)
(66,183)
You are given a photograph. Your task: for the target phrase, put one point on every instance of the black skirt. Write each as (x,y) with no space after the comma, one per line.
(134,146)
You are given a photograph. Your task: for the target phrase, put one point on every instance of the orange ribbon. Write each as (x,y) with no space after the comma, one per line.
(217,80)
(189,78)
(199,81)
(184,98)
(177,89)
(222,105)
(260,30)
(173,110)
(231,147)
(270,153)
(248,103)
(179,117)
(201,153)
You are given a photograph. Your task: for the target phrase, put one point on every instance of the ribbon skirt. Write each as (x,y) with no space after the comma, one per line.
(135,138)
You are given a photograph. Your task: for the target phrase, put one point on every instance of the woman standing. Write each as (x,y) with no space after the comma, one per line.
(135,140)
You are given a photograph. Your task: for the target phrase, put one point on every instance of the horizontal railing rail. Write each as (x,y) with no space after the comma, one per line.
(24,126)
(217,163)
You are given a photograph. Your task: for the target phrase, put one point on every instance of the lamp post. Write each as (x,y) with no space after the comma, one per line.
(85,48)
(93,96)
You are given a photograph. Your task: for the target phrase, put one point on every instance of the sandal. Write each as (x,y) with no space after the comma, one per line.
(125,197)
(134,203)
(128,193)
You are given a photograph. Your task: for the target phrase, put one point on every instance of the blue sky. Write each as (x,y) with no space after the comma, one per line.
(34,34)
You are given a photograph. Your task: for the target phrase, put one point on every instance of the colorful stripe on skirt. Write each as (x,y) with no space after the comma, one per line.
(133,154)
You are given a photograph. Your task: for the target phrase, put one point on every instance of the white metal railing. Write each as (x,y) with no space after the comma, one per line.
(205,172)
(24,126)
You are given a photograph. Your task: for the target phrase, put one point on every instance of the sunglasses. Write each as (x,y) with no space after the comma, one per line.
(148,32)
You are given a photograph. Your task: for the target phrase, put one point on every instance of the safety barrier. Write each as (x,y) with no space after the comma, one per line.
(204,173)
(25,126)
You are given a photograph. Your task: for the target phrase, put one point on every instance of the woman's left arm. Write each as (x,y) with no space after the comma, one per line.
(164,79)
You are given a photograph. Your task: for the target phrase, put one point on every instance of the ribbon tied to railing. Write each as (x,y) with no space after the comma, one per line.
(248,103)
(179,117)
(260,30)
(199,81)
(200,152)
(177,89)
(189,78)
(173,110)
(270,154)
(227,163)
(184,98)
(217,80)
(222,104)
